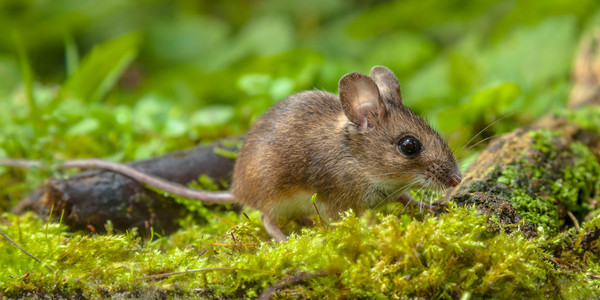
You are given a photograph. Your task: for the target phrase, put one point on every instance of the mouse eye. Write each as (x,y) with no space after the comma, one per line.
(410,146)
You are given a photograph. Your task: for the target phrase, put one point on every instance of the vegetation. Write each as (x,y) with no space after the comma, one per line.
(131,80)
(375,256)
(539,185)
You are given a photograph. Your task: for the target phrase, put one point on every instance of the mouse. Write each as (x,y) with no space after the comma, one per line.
(354,151)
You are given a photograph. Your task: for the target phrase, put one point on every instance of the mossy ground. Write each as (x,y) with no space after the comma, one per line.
(462,65)
(393,252)
(555,174)
(379,255)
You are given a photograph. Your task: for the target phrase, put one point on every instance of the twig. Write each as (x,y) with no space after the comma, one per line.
(205,270)
(282,283)
(228,222)
(234,245)
(20,163)
(313,200)
(570,214)
(25,251)
(319,215)
(570,265)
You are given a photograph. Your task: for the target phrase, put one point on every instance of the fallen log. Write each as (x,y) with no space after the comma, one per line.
(87,200)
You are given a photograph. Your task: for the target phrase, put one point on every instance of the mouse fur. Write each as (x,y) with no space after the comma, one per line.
(345,149)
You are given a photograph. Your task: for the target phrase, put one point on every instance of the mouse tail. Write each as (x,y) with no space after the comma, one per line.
(152,181)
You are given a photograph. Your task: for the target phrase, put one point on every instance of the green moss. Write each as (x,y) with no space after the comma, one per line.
(402,254)
(587,117)
(579,249)
(580,181)
(205,183)
(225,153)
(374,256)
(557,173)
(200,212)
(541,211)
(545,141)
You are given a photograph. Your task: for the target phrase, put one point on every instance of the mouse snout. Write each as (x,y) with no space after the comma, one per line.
(445,176)
(454,180)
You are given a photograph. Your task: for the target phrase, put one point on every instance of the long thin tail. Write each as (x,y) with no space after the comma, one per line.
(153,181)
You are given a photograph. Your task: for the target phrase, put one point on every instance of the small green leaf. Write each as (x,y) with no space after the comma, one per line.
(86,126)
(212,115)
(151,112)
(71,54)
(313,198)
(281,87)
(255,84)
(225,153)
(100,69)
(494,98)
(175,127)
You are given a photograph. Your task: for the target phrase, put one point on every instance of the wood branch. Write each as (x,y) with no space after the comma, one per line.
(291,280)
(88,199)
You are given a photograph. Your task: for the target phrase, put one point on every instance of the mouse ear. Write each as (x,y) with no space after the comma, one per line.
(387,83)
(361,101)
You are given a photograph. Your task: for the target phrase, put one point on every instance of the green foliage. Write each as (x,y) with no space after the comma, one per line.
(588,118)
(574,246)
(96,75)
(374,256)
(537,186)
(583,178)
(127,80)
(498,78)
(167,75)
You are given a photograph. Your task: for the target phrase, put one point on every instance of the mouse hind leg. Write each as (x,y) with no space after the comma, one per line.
(272,229)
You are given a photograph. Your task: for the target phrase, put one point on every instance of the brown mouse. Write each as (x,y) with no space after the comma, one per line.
(355,151)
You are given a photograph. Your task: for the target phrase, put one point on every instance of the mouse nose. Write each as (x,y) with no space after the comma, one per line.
(455,179)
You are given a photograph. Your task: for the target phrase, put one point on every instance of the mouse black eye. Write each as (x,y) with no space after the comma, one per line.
(410,146)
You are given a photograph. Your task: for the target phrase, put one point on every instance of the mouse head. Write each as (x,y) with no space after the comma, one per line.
(394,145)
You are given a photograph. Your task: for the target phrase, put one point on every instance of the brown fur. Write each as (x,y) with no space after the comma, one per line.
(312,142)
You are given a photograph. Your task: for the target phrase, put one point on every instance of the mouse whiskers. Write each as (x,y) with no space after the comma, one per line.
(394,173)
(481,131)
(427,187)
(474,145)
(403,188)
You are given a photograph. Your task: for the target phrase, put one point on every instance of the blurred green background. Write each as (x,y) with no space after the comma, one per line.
(127,80)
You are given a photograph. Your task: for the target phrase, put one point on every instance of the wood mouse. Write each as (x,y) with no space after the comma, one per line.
(354,152)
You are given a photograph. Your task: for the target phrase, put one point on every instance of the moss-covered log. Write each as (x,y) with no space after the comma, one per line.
(546,177)
(542,176)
